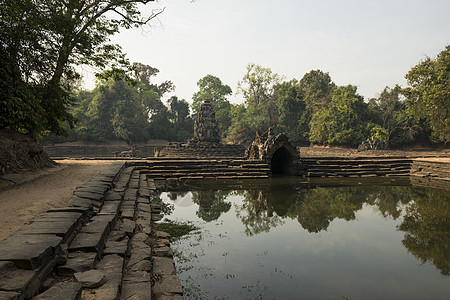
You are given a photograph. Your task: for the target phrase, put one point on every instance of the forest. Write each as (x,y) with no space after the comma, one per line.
(42,45)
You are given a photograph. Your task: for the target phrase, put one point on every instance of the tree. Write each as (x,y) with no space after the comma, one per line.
(344,121)
(181,120)
(41,43)
(212,88)
(315,90)
(239,131)
(428,93)
(389,111)
(292,112)
(258,86)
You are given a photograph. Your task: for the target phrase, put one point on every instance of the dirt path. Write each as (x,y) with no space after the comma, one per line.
(36,192)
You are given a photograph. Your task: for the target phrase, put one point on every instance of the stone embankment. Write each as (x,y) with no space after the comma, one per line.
(431,172)
(218,169)
(356,167)
(103,246)
(202,150)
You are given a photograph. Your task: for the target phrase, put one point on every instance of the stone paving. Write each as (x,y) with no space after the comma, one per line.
(100,247)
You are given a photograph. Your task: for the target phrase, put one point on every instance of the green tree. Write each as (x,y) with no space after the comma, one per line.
(292,112)
(428,93)
(344,121)
(181,120)
(390,112)
(314,90)
(258,86)
(116,112)
(239,131)
(41,43)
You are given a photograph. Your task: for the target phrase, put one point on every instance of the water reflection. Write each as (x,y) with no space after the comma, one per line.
(425,213)
(211,204)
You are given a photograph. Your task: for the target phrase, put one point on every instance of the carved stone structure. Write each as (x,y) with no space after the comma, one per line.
(277,151)
(206,128)
(206,142)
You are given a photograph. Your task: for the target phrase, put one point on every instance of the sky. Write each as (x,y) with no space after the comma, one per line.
(369,44)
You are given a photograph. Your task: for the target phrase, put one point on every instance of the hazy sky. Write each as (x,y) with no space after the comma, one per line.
(370,44)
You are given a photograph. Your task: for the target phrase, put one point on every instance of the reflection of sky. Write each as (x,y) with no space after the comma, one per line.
(361,259)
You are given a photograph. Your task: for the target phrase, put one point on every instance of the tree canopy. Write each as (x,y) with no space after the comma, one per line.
(41,43)
(428,93)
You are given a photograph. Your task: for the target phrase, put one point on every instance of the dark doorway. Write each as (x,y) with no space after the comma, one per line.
(281,162)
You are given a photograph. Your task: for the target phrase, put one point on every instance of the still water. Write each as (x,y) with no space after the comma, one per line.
(284,239)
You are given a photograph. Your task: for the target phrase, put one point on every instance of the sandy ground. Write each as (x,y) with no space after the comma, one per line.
(23,196)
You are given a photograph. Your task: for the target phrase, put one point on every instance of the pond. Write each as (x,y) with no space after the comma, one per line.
(327,239)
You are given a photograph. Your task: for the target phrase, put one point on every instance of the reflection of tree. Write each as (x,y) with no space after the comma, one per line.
(427,229)
(320,206)
(389,198)
(256,214)
(211,204)
(175,195)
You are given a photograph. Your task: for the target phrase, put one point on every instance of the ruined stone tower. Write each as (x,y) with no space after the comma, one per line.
(206,128)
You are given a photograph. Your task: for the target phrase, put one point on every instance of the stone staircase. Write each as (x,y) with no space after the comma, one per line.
(205,150)
(102,246)
(213,169)
(431,172)
(356,167)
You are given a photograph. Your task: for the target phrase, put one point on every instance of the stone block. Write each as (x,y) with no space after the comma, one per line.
(136,276)
(144,265)
(112,267)
(130,194)
(88,195)
(113,196)
(84,203)
(143,200)
(90,279)
(13,279)
(10,296)
(168,284)
(110,207)
(116,247)
(62,290)
(78,262)
(163,266)
(128,226)
(89,242)
(144,207)
(138,254)
(59,227)
(127,213)
(100,223)
(163,251)
(29,251)
(136,291)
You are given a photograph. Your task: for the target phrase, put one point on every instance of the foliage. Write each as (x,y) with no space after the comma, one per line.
(343,121)
(239,130)
(428,93)
(128,107)
(426,226)
(41,42)
(261,106)
(389,111)
(292,112)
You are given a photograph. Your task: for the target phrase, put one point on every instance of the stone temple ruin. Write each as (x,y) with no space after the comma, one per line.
(206,142)
(276,151)
(206,128)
